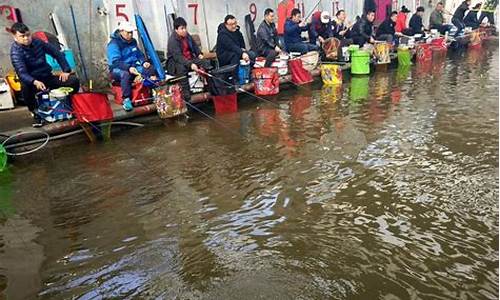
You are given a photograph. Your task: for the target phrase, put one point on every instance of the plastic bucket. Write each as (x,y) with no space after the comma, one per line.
(266,81)
(382,52)
(359,88)
(331,74)
(3,158)
(404,57)
(244,73)
(360,62)
(424,52)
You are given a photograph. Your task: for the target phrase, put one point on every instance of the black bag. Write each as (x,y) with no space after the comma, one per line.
(224,81)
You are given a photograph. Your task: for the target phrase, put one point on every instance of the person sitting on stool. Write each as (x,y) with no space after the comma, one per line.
(362,31)
(28,58)
(293,29)
(126,61)
(436,20)
(416,23)
(459,15)
(230,47)
(386,31)
(267,38)
(184,55)
(471,19)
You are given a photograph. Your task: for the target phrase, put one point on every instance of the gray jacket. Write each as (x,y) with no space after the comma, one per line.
(267,37)
(436,19)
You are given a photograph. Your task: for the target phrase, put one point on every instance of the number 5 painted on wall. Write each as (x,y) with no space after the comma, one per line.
(119,12)
(195,12)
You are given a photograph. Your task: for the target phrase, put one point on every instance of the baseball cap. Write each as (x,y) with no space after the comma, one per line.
(325,17)
(127,26)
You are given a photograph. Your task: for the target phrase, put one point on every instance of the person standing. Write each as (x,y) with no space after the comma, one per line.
(28,58)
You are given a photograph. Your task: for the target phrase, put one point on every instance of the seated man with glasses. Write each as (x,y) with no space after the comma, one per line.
(28,58)
(230,47)
(126,61)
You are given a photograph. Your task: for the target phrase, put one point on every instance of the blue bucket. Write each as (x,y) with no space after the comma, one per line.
(70,58)
(244,73)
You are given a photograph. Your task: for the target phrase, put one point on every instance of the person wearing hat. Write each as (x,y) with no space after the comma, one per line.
(436,20)
(416,22)
(294,26)
(471,19)
(126,61)
(267,38)
(320,28)
(401,26)
(28,58)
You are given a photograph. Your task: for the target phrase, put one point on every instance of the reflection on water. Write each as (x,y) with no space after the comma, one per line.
(384,187)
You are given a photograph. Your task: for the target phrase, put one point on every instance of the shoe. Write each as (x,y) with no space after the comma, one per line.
(127,105)
(37,122)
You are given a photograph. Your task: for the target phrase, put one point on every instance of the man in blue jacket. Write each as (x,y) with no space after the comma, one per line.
(28,58)
(126,61)
(293,29)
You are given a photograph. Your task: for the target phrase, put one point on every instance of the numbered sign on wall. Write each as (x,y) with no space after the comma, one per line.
(119,10)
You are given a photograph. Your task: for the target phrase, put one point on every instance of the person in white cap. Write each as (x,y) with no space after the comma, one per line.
(321,27)
(126,61)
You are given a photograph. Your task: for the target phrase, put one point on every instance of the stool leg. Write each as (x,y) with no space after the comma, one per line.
(88,131)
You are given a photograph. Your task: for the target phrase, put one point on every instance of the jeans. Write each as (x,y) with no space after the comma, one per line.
(301,47)
(270,55)
(459,24)
(51,82)
(442,28)
(125,79)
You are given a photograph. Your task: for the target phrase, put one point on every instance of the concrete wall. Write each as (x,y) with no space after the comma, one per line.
(203,17)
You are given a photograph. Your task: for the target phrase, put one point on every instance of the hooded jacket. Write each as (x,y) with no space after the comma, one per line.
(29,61)
(123,54)
(229,45)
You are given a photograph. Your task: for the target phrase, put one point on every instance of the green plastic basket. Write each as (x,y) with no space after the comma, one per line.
(404,57)
(360,62)
(3,158)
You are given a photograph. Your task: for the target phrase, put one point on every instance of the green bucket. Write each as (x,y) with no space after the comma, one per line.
(404,57)
(360,62)
(3,158)
(359,91)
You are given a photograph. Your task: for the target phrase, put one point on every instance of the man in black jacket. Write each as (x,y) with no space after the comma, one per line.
(471,20)
(416,23)
(184,55)
(459,15)
(267,38)
(28,58)
(362,31)
(230,47)
(386,31)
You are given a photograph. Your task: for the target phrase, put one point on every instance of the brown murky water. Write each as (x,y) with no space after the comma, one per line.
(384,188)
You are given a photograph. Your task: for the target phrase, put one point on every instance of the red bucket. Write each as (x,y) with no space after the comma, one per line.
(91,107)
(299,74)
(424,52)
(439,43)
(225,104)
(141,94)
(266,81)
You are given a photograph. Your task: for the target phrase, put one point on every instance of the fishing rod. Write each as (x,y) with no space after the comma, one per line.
(237,87)
(312,10)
